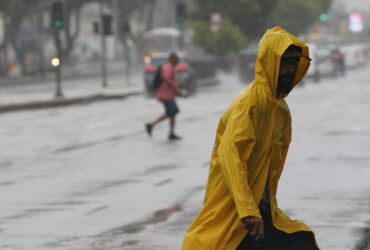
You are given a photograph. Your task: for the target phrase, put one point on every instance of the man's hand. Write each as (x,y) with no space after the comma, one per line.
(255,226)
(172,85)
(179,92)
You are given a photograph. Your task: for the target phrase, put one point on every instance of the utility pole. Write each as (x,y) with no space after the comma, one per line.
(116,31)
(57,24)
(103,47)
(58,92)
(126,30)
(40,30)
(128,63)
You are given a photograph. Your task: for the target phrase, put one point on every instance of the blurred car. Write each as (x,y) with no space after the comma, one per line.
(330,62)
(356,55)
(246,64)
(185,74)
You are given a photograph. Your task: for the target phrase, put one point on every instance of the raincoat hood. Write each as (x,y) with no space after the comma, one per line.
(270,49)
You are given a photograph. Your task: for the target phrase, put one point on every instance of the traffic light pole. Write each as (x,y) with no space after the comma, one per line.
(57,24)
(182,36)
(58,92)
(103,48)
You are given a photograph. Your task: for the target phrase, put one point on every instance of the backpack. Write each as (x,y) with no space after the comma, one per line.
(157,80)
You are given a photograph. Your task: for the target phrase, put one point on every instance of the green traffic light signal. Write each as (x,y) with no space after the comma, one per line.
(57,15)
(323,17)
(180,12)
(180,19)
(58,23)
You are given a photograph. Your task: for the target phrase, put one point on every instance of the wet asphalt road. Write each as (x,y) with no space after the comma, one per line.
(88,177)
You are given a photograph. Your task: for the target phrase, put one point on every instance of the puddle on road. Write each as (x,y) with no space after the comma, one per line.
(125,237)
(157,217)
(352,159)
(164,182)
(7,183)
(160,168)
(75,147)
(130,243)
(206,164)
(66,203)
(97,142)
(97,210)
(31,212)
(313,159)
(103,186)
(5,164)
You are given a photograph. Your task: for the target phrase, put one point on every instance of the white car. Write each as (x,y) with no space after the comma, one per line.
(356,55)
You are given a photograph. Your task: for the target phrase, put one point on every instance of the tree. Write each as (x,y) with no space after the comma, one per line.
(14,13)
(248,15)
(297,15)
(228,39)
(17,12)
(253,17)
(72,9)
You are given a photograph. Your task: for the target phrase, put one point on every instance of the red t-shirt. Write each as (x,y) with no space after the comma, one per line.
(165,92)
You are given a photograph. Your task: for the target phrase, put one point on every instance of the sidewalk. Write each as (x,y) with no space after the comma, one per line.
(77,91)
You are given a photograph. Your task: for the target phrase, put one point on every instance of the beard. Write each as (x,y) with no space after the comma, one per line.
(285,83)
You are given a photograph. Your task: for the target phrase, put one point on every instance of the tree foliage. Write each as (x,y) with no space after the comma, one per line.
(253,17)
(296,16)
(14,13)
(248,15)
(228,39)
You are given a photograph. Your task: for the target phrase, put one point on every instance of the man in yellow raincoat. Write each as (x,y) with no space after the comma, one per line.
(240,209)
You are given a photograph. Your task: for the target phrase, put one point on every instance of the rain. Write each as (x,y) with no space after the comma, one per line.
(79,170)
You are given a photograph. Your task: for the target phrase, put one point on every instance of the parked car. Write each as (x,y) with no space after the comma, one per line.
(246,64)
(330,62)
(357,55)
(185,74)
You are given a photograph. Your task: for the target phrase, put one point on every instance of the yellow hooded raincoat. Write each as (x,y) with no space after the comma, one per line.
(251,145)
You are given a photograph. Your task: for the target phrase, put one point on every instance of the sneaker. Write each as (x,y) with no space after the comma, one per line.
(173,137)
(149,128)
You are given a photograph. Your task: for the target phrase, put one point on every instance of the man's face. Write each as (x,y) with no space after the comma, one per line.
(174,60)
(288,68)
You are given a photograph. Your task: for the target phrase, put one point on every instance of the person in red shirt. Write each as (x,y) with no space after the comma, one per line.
(167,92)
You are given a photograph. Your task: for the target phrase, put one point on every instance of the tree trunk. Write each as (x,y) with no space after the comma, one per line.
(69,37)
(4,56)
(18,48)
(150,16)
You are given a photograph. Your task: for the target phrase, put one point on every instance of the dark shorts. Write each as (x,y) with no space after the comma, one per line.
(170,108)
(276,239)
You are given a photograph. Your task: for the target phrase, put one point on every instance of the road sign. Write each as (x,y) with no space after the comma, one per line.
(356,22)
(216,19)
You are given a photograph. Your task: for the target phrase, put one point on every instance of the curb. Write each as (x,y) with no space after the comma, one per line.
(64,102)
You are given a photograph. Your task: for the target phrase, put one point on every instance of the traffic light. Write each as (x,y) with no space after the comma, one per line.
(57,15)
(107,24)
(180,12)
(323,17)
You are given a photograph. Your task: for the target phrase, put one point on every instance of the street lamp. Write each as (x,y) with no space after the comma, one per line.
(55,62)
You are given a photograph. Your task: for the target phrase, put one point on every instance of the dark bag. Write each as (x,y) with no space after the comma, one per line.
(157,80)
